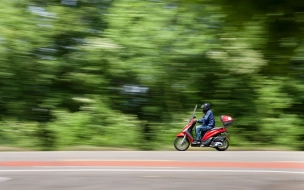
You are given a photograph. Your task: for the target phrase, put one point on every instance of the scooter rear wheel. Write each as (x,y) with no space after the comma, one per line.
(224,147)
(181,147)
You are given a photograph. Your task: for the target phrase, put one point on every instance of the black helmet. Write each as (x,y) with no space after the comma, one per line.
(205,107)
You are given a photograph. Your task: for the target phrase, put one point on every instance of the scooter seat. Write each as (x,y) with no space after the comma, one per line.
(214,128)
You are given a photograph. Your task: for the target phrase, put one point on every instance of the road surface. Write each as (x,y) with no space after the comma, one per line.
(152,170)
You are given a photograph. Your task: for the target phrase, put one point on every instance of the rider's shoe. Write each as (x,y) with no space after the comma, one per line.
(196,142)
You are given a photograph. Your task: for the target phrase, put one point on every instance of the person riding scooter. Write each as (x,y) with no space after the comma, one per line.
(207,122)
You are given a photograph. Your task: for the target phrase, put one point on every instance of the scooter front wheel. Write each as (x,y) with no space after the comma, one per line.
(181,143)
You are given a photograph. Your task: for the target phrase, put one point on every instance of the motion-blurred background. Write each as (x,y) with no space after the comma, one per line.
(128,73)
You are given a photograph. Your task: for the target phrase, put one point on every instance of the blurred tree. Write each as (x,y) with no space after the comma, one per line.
(100,66)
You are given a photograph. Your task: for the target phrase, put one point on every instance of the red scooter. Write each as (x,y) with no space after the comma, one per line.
(216,137)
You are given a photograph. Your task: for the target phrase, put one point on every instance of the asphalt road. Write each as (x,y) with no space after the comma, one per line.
(155,170)
(247,156)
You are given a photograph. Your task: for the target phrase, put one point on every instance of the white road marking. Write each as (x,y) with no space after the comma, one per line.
(151,170)
(114,160)
(3,179)
(101,167)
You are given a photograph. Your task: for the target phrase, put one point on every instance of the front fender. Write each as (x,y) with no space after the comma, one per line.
(181,134)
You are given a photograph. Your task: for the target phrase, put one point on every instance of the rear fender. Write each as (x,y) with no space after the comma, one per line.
(227,136)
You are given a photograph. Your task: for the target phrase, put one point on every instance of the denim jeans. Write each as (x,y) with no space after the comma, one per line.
(199,129)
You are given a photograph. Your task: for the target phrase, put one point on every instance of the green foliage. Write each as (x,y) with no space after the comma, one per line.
(96,125)
(127,73)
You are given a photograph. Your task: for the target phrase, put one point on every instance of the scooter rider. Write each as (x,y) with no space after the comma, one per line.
(207,122)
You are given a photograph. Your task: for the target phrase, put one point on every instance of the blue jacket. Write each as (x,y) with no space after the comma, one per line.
(208,119)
